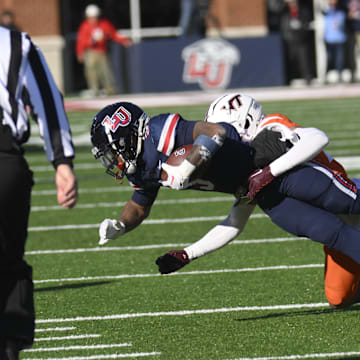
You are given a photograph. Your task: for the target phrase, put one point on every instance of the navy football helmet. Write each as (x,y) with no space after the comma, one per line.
(117,134)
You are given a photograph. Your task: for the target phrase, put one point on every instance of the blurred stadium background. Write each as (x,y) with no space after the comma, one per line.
(158,61)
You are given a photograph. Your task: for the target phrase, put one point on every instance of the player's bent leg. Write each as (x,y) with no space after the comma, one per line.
(302,219)
(342,276)
(323,188)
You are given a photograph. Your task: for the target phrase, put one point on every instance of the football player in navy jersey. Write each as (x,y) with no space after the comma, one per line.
(129,143)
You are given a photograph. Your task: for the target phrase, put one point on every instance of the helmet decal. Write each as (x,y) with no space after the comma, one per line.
(117,135)
(233,104)
(121,117)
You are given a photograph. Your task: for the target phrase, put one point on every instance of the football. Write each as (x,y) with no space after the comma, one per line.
(176,158)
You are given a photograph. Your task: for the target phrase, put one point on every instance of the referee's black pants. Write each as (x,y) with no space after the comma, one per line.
(17,315)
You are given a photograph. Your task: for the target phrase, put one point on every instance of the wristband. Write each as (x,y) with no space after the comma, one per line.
(120,227)
(208,146)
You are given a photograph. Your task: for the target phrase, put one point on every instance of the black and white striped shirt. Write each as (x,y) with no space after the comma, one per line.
(24,74)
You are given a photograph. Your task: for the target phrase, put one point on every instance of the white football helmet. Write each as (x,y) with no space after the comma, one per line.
(241,111)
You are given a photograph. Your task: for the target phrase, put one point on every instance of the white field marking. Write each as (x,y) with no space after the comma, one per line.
(156,246)
(97,357)
(146,222)
(86,191)
(79,347)
(198,272)
(305,356)
(83,166)
(341,143)
(122,203)
(123,188)
(344,135)
(70,337)
(185,312)
(97,165)
(56,329)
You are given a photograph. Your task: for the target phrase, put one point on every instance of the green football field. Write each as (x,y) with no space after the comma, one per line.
(260,297)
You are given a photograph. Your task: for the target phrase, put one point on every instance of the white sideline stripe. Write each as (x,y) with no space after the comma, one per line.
(56,329)
(184,312)
(122,203)
(97,357)
(305,356)
(78,347)
(156,246)
(198,272)
(146,222)
(85,191)
(70,337)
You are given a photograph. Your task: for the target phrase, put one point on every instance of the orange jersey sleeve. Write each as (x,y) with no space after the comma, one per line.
(278,118)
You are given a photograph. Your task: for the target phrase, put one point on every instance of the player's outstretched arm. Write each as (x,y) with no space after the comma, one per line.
(132,216)
(219,236)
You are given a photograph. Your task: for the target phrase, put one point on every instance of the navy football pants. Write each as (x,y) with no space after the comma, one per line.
(305,202)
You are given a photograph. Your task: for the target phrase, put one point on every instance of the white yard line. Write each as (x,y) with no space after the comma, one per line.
(81,166)
(182,273)
(354,160)
(70,337)
(56,329)
(185,312)
(118,188)
(156,246)
(146,222)
(98,357)
(338,355)
(122,203)
(78,347)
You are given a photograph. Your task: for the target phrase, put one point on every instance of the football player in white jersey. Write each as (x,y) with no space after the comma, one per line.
(280,146)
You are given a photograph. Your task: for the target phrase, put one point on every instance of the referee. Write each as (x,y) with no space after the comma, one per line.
(26,85)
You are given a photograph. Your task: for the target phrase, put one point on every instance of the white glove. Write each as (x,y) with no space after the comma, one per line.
(178,176)
(110,229)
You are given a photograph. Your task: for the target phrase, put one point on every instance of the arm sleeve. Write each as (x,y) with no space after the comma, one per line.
(311,142)
(222,234)
(145,198)
(83,41)
(184,132)
(49,109)
(114,35)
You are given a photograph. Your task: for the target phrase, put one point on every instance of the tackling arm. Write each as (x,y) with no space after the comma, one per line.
(306,144)
(311,142)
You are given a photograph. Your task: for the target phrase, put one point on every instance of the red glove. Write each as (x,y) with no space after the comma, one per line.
(259,179)
(172,261)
